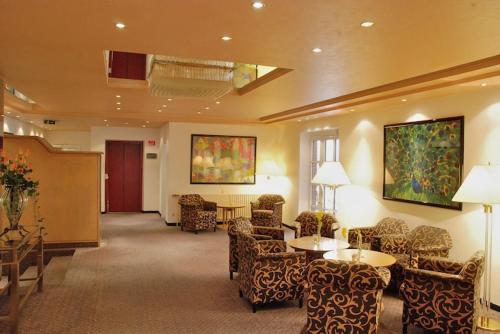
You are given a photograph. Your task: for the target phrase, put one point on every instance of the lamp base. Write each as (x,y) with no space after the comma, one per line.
(488,324)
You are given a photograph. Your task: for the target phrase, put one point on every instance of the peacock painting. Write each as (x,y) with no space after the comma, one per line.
(423,161)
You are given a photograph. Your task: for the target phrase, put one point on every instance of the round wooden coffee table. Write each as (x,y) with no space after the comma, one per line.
(228,212)
(316,250)
(373,258)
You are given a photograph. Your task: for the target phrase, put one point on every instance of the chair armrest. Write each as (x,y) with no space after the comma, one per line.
(273,232)
(254,205)
(284,255)
(279,204)
(209,206)
(390,244)
(261,237)
(271,246)
(410,273)
(366,235)
(430,250)
(435,263)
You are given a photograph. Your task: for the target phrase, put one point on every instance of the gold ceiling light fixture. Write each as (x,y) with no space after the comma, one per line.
(258,4)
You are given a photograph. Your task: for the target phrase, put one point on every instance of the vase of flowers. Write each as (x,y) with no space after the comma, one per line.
(317,235)
(18,187)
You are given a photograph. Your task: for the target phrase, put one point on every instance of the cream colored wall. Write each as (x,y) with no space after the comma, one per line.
(151,170)
(73,138)
(361,153)
(164,131)
(274,142)
(21,128)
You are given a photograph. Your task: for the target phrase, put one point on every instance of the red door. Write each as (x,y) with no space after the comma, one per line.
(124,176)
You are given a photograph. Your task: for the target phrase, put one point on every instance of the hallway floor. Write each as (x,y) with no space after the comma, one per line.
(149,278)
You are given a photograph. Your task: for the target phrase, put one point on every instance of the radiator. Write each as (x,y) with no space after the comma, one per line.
(233,199)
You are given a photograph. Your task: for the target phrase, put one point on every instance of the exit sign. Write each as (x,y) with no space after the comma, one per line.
(152,142)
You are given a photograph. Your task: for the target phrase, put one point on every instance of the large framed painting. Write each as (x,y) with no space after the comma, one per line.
(223,159)
(423,161)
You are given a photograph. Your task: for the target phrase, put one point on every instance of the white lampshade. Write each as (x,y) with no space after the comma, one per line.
(270,168)
(482,186)
(331,173)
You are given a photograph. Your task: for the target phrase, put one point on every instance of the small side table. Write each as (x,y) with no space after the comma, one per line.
(228,212)
(373,258)
(316,250)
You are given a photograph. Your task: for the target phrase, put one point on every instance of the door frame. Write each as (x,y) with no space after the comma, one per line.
(141,170)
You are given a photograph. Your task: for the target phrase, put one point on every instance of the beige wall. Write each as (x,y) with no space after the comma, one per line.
(361,153)
(274,142)
(75,139)
(151,170)
(69,190)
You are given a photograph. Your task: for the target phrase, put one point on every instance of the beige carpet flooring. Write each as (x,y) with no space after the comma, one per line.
(149,278)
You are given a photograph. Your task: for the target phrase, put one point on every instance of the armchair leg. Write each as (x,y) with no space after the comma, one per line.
(301,302)
(215,228)
(195,231)
(230,275)
(405,329)
(254,308)
(241,294)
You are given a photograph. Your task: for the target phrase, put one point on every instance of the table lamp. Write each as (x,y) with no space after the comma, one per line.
(331,173)
(482,186)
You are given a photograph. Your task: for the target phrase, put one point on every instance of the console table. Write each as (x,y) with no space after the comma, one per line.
(12,253)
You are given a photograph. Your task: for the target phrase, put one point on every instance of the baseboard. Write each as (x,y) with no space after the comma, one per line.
(152,211)
(69,245)
(179,224)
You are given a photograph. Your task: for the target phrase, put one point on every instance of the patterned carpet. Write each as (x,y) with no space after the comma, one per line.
(149,278)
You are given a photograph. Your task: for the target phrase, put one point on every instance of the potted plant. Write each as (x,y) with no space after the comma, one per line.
(18,187)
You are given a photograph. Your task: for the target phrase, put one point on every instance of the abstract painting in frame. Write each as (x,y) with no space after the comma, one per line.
(223,159)
(423,161)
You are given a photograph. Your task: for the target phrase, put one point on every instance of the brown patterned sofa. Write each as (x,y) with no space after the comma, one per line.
(268,273)
(344,297)
(243,225)
(308,225)
(197,214)
(369,235)
(443,296)
(423,240)
(268,210)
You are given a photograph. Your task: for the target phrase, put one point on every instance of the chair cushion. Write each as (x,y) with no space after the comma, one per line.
(262,213)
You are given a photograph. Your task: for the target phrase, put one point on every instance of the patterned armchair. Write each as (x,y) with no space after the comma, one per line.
(243,225)
(423,240)
(268,210)
(443,296)
(197,214)
(344,297)
(268,273)
(369,235)
(308,225)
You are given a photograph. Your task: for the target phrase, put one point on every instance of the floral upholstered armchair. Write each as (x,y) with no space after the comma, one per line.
(243,225)
(441,295)
(197,214)
(423,240)
(308,224)
(268,273)
(268,210)
(344,295)
(370,235)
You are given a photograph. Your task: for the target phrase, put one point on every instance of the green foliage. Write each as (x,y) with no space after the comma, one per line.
(15,173)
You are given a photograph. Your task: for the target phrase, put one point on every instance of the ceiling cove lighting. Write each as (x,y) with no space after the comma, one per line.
(367,24)
(120,25)
(317,50)
(257,4)
(226,38)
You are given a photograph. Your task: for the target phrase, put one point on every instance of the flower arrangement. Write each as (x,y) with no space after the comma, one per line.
(15,177)
(15,173)
(319,217)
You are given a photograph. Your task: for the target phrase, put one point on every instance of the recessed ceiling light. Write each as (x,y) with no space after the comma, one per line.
(207,108)
(143,126)
(257,4)
(7,112)
(105,120)
(199,112)
(118,103)
(367,24)
(120,25)
(31,122)
(352,109)
(118,108)
(484,84)
(147,122)
(404,100)
(164,106)
(159,110)
(169,100)
(226,38)
(299,120)
(316,50)
(18,116)
(118,96)
(217,102)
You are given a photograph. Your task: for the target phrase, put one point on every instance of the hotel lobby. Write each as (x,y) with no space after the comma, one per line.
(250,166)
